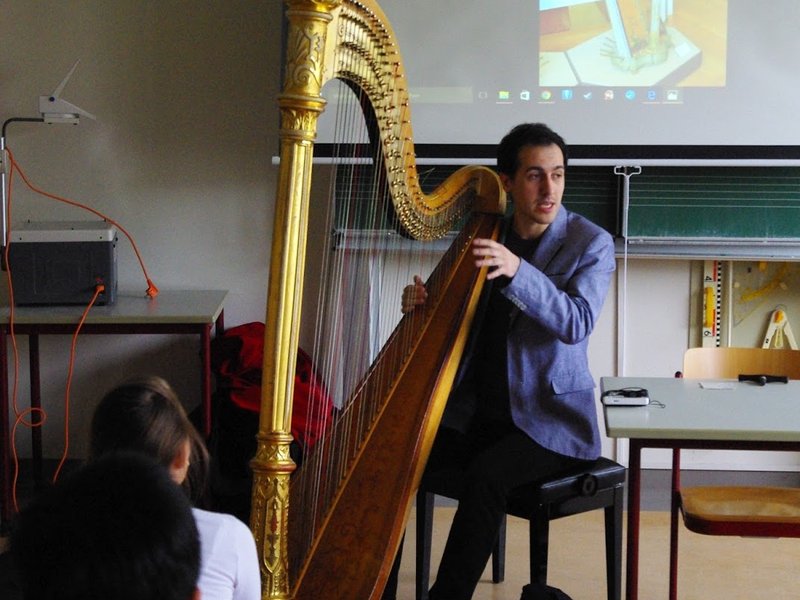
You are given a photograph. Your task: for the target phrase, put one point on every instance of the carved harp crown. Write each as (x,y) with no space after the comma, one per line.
(352,41)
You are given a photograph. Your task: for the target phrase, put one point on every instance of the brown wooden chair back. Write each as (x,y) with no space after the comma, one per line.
(730,362)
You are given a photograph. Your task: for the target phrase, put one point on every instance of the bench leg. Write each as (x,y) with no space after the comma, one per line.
(424,536)
(499,554)
(613,524)
(539,526)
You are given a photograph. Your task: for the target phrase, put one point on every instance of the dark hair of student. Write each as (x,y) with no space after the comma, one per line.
(525,134)
(145,415)
(118,528)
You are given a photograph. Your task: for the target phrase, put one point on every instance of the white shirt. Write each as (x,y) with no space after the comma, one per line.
(229,564)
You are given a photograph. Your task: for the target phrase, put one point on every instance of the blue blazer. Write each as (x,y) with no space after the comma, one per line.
(557,294)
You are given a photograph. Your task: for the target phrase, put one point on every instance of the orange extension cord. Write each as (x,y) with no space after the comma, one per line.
(25,417)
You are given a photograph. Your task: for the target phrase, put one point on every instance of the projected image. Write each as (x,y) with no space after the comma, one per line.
(657,74)
(641,43)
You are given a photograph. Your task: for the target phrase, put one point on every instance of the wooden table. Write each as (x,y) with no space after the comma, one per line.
(170,312)
(689,413)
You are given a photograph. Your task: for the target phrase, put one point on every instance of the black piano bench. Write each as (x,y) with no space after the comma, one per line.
(600,485)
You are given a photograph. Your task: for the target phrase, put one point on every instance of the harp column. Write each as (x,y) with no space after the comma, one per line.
(300,105)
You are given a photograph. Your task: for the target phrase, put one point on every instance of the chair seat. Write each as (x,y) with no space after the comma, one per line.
(742,510)
(581,482)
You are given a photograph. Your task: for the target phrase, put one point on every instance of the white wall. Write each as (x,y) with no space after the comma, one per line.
(184,94)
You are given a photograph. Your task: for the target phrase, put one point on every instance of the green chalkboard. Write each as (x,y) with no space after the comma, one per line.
(590,191)
(715,203)
(594,193)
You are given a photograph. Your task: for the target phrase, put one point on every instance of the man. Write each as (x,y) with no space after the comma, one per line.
(523,406)
(118,528)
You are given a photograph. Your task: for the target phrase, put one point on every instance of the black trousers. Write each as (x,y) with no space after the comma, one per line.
(492,459)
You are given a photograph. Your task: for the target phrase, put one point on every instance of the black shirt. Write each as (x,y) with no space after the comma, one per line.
(491,370)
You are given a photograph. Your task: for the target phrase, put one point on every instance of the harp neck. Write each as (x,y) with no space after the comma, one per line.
(353,41)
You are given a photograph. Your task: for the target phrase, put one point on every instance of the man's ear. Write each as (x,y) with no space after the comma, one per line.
(506,181)
(196,595)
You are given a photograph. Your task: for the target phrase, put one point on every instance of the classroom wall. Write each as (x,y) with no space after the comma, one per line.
(184,95)
(180,154)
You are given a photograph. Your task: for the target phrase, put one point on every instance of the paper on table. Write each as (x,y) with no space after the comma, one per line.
(717,385)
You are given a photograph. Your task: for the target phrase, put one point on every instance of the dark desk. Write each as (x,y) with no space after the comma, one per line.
(744,416)
(171,312)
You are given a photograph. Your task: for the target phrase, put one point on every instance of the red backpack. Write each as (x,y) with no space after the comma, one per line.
(237,359)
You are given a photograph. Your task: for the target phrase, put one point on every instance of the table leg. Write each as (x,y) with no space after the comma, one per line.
(36,405)
(673,523)
(205,342)
(219,328)
(5,439)
(634,500)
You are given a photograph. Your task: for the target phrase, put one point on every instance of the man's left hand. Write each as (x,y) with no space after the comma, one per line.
(499,259)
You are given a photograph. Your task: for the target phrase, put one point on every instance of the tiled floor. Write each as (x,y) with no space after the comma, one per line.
(710,568)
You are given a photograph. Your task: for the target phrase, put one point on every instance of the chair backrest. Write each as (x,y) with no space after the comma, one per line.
(729,363)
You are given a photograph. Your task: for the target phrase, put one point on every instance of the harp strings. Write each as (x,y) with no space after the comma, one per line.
(363,266)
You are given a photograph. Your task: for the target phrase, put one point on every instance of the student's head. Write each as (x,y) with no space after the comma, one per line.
(145,415)
(117,528)
(526,134)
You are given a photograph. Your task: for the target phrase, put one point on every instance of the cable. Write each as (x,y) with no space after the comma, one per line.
(20,416)
(99,289)
(20,421)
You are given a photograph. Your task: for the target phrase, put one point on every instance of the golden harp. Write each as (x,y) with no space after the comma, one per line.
(352,524)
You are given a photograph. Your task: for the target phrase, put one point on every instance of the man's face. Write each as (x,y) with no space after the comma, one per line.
(536,188)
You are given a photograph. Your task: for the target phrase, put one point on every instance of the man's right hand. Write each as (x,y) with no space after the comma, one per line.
(414,295)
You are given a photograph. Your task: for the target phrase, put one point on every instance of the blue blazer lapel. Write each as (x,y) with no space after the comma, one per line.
(550,244)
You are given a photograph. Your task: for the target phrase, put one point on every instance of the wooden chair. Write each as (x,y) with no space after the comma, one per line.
(600,485)
(729,362)
(744,511)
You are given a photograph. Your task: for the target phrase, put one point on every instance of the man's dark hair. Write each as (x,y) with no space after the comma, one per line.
(526,134)
(118,528)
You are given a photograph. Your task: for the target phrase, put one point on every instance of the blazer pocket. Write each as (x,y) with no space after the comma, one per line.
(573,382)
